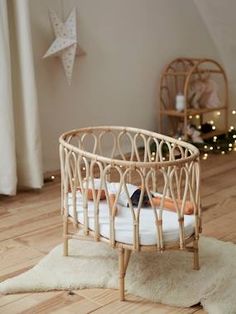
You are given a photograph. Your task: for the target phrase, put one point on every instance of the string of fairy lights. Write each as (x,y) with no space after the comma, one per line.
(212,122)
(222,143)
(218,144)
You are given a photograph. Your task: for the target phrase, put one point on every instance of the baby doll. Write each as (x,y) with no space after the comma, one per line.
(134,193)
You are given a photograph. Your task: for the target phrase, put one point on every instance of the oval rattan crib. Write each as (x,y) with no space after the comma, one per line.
(164,170)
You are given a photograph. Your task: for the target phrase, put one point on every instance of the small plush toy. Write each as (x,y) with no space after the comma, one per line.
(206,127)
(194,134)
(203,93)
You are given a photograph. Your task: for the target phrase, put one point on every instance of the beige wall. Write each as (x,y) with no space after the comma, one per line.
(127,43)
(219,18)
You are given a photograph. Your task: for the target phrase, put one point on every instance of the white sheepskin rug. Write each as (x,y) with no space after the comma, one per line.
(166,278)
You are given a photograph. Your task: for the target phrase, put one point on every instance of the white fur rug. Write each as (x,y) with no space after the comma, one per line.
(167,278)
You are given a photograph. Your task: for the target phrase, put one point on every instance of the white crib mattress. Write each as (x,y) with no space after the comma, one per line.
(124,223)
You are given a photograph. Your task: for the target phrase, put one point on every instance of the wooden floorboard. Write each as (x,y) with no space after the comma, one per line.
(30,226)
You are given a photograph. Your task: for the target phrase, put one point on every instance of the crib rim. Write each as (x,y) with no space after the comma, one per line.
(195,153)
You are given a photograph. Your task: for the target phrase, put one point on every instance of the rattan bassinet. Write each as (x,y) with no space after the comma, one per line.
(160,165)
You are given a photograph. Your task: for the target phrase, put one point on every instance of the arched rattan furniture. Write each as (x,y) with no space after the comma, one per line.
(177,77)
(158,163)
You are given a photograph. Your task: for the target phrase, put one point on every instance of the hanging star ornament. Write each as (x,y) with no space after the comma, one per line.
(66,44)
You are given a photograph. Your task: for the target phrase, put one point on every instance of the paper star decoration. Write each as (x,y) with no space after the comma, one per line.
(66,44)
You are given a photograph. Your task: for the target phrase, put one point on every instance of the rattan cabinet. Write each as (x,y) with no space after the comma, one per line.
(176,78)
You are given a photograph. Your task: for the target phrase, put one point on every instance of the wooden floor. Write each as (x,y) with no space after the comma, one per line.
(30,226)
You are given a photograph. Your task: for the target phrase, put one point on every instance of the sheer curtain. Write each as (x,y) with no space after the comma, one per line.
(20,148)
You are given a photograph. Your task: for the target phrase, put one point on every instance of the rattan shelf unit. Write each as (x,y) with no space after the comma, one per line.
(176,78)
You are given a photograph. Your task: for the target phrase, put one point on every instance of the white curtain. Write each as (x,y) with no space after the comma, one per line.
(20,148)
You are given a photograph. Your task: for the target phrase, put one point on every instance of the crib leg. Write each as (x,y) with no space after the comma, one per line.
(122,273)
(126,259)
(65,233)
(195,255)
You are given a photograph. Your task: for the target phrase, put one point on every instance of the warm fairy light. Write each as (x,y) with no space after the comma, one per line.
(235,149)
(199,127)
(232,127)
(230,144)
(233,111)
(205,146)
(218,113)
(205,156)
(211,122)
(214,138)
(153,153)
(83,168)
(211,147)
(163,158)
(234,136)
(218,147)
(223,152)
(52,177)
(197,116)
(180,138)
(213,127)
(190,117)
(152,158)
(229,149)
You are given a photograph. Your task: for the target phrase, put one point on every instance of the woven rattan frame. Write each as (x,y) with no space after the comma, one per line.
(176,78)
(157,162)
